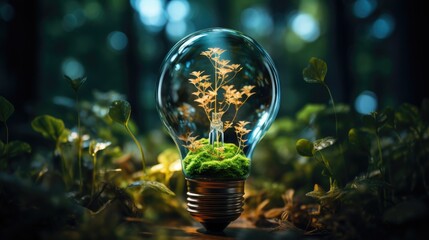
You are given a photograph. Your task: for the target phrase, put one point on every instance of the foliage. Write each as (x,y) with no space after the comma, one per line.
(375,170)
(51,201)
(364,177)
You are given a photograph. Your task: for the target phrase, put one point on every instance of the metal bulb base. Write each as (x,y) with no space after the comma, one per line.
(215,204)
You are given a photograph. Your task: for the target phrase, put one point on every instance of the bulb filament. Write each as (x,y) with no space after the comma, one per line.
(216,130)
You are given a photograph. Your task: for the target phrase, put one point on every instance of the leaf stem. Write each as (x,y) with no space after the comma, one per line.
(66,176)
(333,106)
(94,162)
(79,144)
(138,145)
(380,155)
(326,163)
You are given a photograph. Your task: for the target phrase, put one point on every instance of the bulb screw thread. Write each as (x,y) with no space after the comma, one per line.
(215,204)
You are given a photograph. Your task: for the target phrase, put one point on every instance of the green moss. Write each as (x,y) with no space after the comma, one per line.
(206,163)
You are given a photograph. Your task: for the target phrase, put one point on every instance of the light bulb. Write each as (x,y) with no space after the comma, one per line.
(217,94)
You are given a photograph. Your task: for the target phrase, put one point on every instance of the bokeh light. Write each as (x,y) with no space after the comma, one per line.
(6,12)
(176,30)
(151,12)
(306,27)
(364,8)
(257,21)
(72,68)
(366,102)
(117,40)
(383,26)
(177,26)
(178,10)
(73,20)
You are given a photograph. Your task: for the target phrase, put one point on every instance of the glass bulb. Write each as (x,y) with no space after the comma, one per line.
(217,95)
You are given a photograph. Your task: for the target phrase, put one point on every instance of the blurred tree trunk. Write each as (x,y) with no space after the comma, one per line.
(415,50)
(22,56)
(340,44)
(132,66)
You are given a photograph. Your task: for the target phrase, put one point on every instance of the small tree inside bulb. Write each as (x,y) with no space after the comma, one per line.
(217,95)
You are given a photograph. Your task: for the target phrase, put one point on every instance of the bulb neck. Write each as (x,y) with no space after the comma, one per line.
(215,204)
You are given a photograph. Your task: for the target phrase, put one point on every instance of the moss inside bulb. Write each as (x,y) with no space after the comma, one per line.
(226,162)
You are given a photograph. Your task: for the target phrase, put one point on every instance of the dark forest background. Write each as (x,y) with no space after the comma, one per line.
(374,49)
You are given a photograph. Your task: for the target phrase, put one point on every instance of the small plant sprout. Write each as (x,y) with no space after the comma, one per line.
(314,149)
(76,85)
(120,112)
(53,129)
(6,110)
(95,147)
(217,96)
(315,72)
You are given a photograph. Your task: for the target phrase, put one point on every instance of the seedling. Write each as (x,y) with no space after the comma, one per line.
(315,72)
(53,129)
(120,112)
(95,147)
(76,85)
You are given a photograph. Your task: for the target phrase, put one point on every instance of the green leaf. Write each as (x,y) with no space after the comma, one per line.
(120,111)
(304,147)
(354,136)
(157,186)
(16,148)
(359,139)
(316,71)
(6,109)
(75,83)
(50,127)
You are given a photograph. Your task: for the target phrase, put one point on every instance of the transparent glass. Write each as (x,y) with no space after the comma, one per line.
(217,94)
